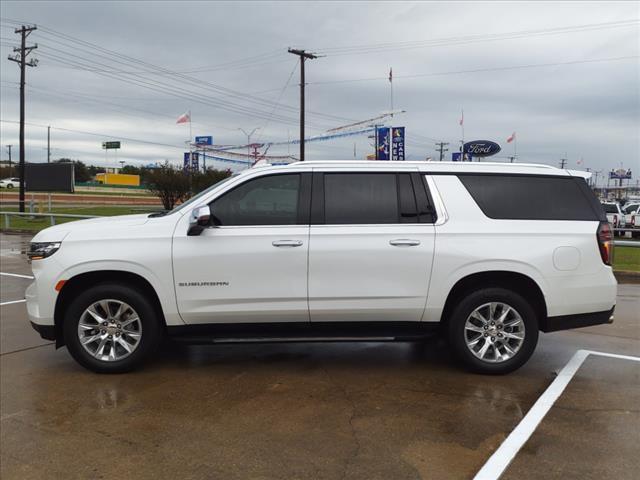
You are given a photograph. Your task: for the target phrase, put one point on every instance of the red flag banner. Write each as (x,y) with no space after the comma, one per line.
(184,118)
(511,138)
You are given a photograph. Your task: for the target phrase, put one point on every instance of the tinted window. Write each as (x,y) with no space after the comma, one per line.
(360,198)
(271,200)
(631,208)
(528,197)
(610,208)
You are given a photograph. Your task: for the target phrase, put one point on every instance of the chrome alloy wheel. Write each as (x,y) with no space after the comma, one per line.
(494,332)
(110,330)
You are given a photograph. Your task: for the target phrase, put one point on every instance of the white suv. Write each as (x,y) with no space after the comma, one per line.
(631,213)
(335,251)
(10,183)
(615,217)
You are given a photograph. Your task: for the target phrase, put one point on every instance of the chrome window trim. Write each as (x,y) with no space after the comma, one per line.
(441,211)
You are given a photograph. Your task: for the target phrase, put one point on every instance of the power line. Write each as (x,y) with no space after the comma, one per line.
(127,60)
(293,70)
(96,134)
(479,70)
(467,39)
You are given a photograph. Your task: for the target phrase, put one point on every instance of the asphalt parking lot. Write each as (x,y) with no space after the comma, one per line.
(321,411)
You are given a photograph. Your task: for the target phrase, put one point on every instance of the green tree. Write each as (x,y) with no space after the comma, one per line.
(171,185)
(80,170)
(130,170)
(203,180)
(93,170)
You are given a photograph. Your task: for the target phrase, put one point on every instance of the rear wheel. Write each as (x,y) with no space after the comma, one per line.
(111,328)
(493,330)
(9,185)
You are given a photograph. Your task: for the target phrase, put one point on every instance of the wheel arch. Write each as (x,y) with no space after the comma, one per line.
(517,282)
(80,281)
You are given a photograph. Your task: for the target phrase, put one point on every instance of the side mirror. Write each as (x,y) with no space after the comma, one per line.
(200,219)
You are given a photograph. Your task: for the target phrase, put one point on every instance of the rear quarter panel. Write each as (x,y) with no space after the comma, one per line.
(562,257)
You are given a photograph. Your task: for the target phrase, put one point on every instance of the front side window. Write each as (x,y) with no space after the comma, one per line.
(360,198)
(270,200)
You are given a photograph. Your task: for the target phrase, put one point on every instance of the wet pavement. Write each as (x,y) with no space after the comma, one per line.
(321,411)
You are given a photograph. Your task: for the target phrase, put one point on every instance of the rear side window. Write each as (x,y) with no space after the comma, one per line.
(529,197)
(610,208)
(360,198)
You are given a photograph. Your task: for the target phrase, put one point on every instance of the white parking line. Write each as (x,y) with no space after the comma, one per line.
(502,457)
(16,275)
(12,301)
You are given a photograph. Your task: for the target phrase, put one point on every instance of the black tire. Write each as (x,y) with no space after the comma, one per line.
(9,185)
(149,339)
(457,335)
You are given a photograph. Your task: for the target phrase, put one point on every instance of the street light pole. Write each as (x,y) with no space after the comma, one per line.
(249,135)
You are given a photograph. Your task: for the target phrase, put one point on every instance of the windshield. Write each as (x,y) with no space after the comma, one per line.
(201,194)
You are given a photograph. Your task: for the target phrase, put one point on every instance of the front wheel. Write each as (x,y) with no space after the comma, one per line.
(9,185)
(493,331)
(111,328)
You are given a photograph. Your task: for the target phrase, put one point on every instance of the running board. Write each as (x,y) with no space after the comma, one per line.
(301,332)
(204,340)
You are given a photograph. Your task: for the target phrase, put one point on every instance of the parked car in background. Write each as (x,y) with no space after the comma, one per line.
(12,182)
(487,254)
(631,213)
(614,216)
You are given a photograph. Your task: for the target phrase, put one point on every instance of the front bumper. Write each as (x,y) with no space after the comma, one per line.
(566,322)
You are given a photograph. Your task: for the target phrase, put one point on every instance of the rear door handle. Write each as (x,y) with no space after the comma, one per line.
(404,242)
(287,243)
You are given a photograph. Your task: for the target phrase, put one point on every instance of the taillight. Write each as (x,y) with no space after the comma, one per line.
(615,221)
(633,220)
(605,242)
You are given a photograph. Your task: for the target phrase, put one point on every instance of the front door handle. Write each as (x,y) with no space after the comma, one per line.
(404,242)
(287,243)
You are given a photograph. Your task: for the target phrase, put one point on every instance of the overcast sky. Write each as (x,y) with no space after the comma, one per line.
(234,72)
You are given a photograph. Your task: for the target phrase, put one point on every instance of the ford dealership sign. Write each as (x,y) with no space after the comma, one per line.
(481,148)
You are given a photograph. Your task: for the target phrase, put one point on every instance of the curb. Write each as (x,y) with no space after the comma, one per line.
(14,231)
(626,276)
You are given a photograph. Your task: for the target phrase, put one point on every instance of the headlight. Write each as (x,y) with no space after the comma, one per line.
(40,250)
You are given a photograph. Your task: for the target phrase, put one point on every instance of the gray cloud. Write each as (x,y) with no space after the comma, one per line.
(588,110)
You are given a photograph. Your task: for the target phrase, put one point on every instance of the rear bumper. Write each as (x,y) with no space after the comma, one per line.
(46,331)
(566,322)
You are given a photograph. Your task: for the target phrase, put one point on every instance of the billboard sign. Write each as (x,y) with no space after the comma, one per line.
(110,145)
(481,148)
(397,146)
(204,140)
(190,161)
(49,177)
(382,143)
(456,157)
(620,174)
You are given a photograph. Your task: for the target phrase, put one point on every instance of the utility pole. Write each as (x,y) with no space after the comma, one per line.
(441,149)
(563,162)
(9,147)
(303,56)
(21,59)
(49,144)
